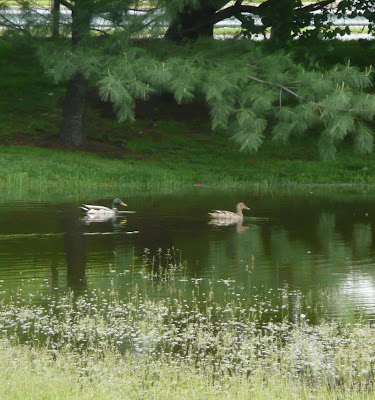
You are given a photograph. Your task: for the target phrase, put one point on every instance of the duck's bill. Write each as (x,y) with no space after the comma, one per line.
(123,204)
(247,208)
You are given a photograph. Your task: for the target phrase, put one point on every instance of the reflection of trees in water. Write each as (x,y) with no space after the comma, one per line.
(357,289)
(328,228)
(54,278)
(362,240)
(337,234)
(75,250)
(297,251)
(302,244)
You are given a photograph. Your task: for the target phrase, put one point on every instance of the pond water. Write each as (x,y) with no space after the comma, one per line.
(318,242)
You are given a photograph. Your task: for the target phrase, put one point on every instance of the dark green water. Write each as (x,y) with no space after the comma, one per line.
(312,241)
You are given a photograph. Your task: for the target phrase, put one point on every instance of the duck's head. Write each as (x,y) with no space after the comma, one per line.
(242,206)
(118,202)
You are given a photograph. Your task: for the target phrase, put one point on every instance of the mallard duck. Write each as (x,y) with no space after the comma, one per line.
(229,215)
(102,212)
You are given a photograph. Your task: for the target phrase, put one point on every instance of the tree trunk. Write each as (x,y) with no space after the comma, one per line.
(55,18)
(282,16)
(74,111)
(75,103)
(192,23)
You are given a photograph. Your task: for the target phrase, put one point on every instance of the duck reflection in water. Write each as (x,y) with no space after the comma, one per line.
(116,223)
(219,222)
(226,218)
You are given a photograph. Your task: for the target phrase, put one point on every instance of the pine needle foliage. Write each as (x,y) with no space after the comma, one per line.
(253,95)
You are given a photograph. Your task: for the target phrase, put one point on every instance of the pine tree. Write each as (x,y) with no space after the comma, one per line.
(252,94)
(33,24)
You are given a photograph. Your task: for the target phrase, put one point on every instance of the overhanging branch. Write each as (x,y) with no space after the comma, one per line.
(318,5)
(66,4)
(239,8)
(233,11)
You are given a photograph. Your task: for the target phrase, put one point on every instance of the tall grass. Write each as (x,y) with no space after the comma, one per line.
(51,169)
(37,374)
(176,337)
(193,358)
(27,168)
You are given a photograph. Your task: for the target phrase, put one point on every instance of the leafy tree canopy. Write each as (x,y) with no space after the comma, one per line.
(251,94)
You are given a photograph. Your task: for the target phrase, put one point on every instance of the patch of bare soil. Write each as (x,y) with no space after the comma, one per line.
(51,141)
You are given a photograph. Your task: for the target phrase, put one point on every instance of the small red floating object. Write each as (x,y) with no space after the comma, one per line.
(198,184)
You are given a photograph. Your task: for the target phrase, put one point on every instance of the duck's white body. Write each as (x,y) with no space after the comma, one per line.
(101,211)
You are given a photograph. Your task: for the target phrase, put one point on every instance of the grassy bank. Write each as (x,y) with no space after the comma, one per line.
(23,167)
(169,145)
(176,337)
(35,374)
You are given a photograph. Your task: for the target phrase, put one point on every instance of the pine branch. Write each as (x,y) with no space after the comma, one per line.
(275,84)
(282,87)
(9,24)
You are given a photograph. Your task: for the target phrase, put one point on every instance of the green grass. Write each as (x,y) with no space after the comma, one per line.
(58,169)
(33,374)
(28,102)
(169,145)
(61,170)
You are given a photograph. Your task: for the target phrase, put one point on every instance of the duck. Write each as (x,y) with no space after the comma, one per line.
(221,215)
(101,212)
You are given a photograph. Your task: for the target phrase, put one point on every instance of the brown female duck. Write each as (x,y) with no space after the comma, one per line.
(229,215)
